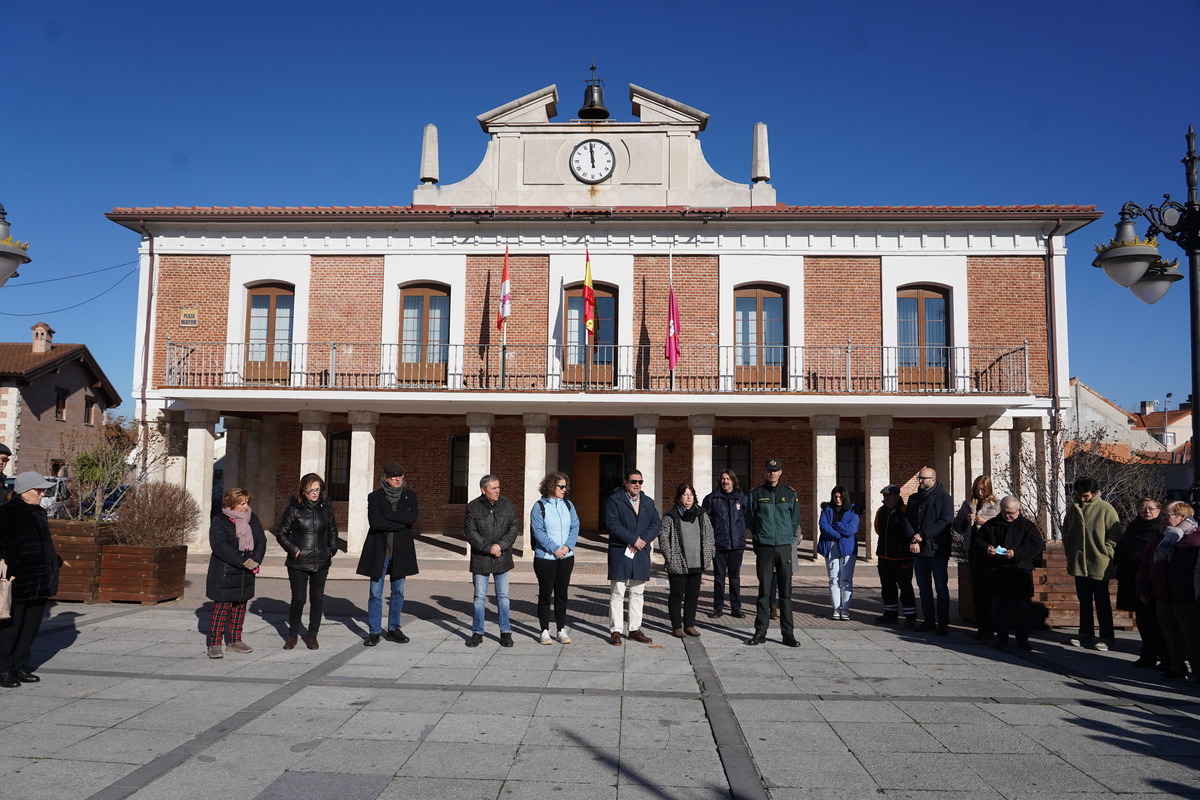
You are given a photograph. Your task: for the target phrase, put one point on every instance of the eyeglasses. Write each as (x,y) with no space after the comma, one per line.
(314,490)
(560,486)
(924,477)
(638,482)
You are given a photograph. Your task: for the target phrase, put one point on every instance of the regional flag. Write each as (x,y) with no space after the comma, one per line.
(589,296)
(673,349)
(505,295)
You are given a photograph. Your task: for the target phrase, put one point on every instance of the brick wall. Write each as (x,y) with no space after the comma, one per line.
(696,279)
(910,448)
(841,301)
(197,282)
(529,277)
(1007,304)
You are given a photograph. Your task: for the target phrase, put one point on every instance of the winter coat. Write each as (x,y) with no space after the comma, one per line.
(930,512)
(1021,536)
(1170,581)
(26,546)
(773,514)
(308,533)
(963,523)
(671,545)
(728,515)
(1127,560)
(228,581)
(894,532)
(486,524)
(553,523)
(838,529)
(625,528)
(389,524)
(1090,535)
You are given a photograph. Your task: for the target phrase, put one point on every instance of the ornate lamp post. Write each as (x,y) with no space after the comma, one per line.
(12,253)
(1135,263)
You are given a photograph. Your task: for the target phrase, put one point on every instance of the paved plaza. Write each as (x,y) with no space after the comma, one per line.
(129,706)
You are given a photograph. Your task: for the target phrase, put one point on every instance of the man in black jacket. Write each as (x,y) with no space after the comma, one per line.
(930,512)
(1011,543)
(389,551)
(490,525)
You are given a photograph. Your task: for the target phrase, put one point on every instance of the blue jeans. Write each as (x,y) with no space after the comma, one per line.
(481,584)
(931,572)
(375,601)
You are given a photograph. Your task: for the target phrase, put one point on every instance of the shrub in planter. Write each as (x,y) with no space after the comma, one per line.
(148,561)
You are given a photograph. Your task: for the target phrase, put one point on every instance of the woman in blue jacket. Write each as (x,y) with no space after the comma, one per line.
(726,508)
(839,545)
(555,528)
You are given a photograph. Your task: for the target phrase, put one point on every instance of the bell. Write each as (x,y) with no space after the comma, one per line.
(593,102)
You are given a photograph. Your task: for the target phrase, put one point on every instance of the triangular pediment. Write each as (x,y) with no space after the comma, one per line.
(650,106)
(539,106)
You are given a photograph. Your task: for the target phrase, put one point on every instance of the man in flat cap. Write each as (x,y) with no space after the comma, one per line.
(389,551)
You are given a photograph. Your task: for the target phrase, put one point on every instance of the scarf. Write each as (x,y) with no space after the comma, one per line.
(1171,536)
(688,514)
(241,524)
(393,495)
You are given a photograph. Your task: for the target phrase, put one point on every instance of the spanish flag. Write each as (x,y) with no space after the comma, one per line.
(589,296)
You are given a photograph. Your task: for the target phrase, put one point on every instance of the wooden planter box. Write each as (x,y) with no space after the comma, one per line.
(145,575)
(79,544)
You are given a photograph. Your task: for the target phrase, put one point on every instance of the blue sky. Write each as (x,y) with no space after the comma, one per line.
(868,103)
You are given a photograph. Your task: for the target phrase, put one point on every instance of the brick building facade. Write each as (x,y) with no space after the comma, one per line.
(856,344)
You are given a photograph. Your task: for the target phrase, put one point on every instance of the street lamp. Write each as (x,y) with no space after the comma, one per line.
(1135,263)
(12,253)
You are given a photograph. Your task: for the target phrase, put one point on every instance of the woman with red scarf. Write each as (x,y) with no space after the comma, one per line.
(238,544)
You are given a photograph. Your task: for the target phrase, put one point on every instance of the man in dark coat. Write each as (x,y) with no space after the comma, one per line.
(26,546)
(895,561)
(389,550)
(930,511)
(633,523)
(490,525)
(1011,543)
(773,515)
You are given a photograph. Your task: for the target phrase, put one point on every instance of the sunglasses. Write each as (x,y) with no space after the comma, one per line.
(560,486)
(639,482)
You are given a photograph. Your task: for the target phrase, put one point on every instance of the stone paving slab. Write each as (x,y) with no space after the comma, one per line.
(131,707)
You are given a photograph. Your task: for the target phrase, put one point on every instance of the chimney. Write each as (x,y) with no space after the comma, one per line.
(1149,406)
(43,337)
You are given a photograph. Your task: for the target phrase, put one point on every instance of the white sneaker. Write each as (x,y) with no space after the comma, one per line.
(845,615)
(563,636)
(546,638)
(1100,645)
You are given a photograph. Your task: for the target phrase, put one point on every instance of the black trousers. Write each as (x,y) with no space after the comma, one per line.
(1154,644)
(17,634)
(980,598)
(727,563)
(310,585)
(1094,592)
(896,587)
(683,599)
(774,562)
(554,578)
(1011,589)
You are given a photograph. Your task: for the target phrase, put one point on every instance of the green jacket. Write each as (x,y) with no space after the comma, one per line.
(773,515)
(1090,534)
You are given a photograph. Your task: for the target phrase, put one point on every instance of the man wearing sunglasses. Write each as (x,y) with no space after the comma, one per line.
(633,524)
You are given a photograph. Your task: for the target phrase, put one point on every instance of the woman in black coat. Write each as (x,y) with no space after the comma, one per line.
(238,545)
(308,533)
(1128,560)
(26,547)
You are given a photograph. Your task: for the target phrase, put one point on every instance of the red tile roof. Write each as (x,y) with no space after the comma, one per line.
(18,361)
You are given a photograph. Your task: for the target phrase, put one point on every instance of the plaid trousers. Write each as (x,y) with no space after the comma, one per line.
(227,619)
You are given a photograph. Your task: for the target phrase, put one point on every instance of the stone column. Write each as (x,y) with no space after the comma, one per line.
(702,466)
(268,460)
(535,470)
(253,450)
(479,453)
(646,426)
(824,428)
(201,424)
(235,456)
(314,427)
(973,438)
(363,425)
(1033,461)
(958,484)
(877,432)
(997,453)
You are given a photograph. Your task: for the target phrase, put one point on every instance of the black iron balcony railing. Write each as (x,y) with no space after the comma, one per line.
(820,369)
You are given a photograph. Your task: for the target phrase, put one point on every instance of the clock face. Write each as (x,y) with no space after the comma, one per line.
(592,161)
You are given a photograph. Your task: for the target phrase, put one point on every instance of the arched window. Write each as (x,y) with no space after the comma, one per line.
(424,333)
(269,317)
(590,362)
(760,336)
(922,337)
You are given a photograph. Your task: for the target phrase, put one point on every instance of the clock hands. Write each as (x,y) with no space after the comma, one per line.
(592,153)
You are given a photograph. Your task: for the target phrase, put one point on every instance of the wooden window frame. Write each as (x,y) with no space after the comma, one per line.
(598,367)
(432,359)
(270,369)
(768,367)
(920,365)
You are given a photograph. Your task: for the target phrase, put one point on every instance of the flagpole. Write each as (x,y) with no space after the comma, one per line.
(671,289)
(504,290)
